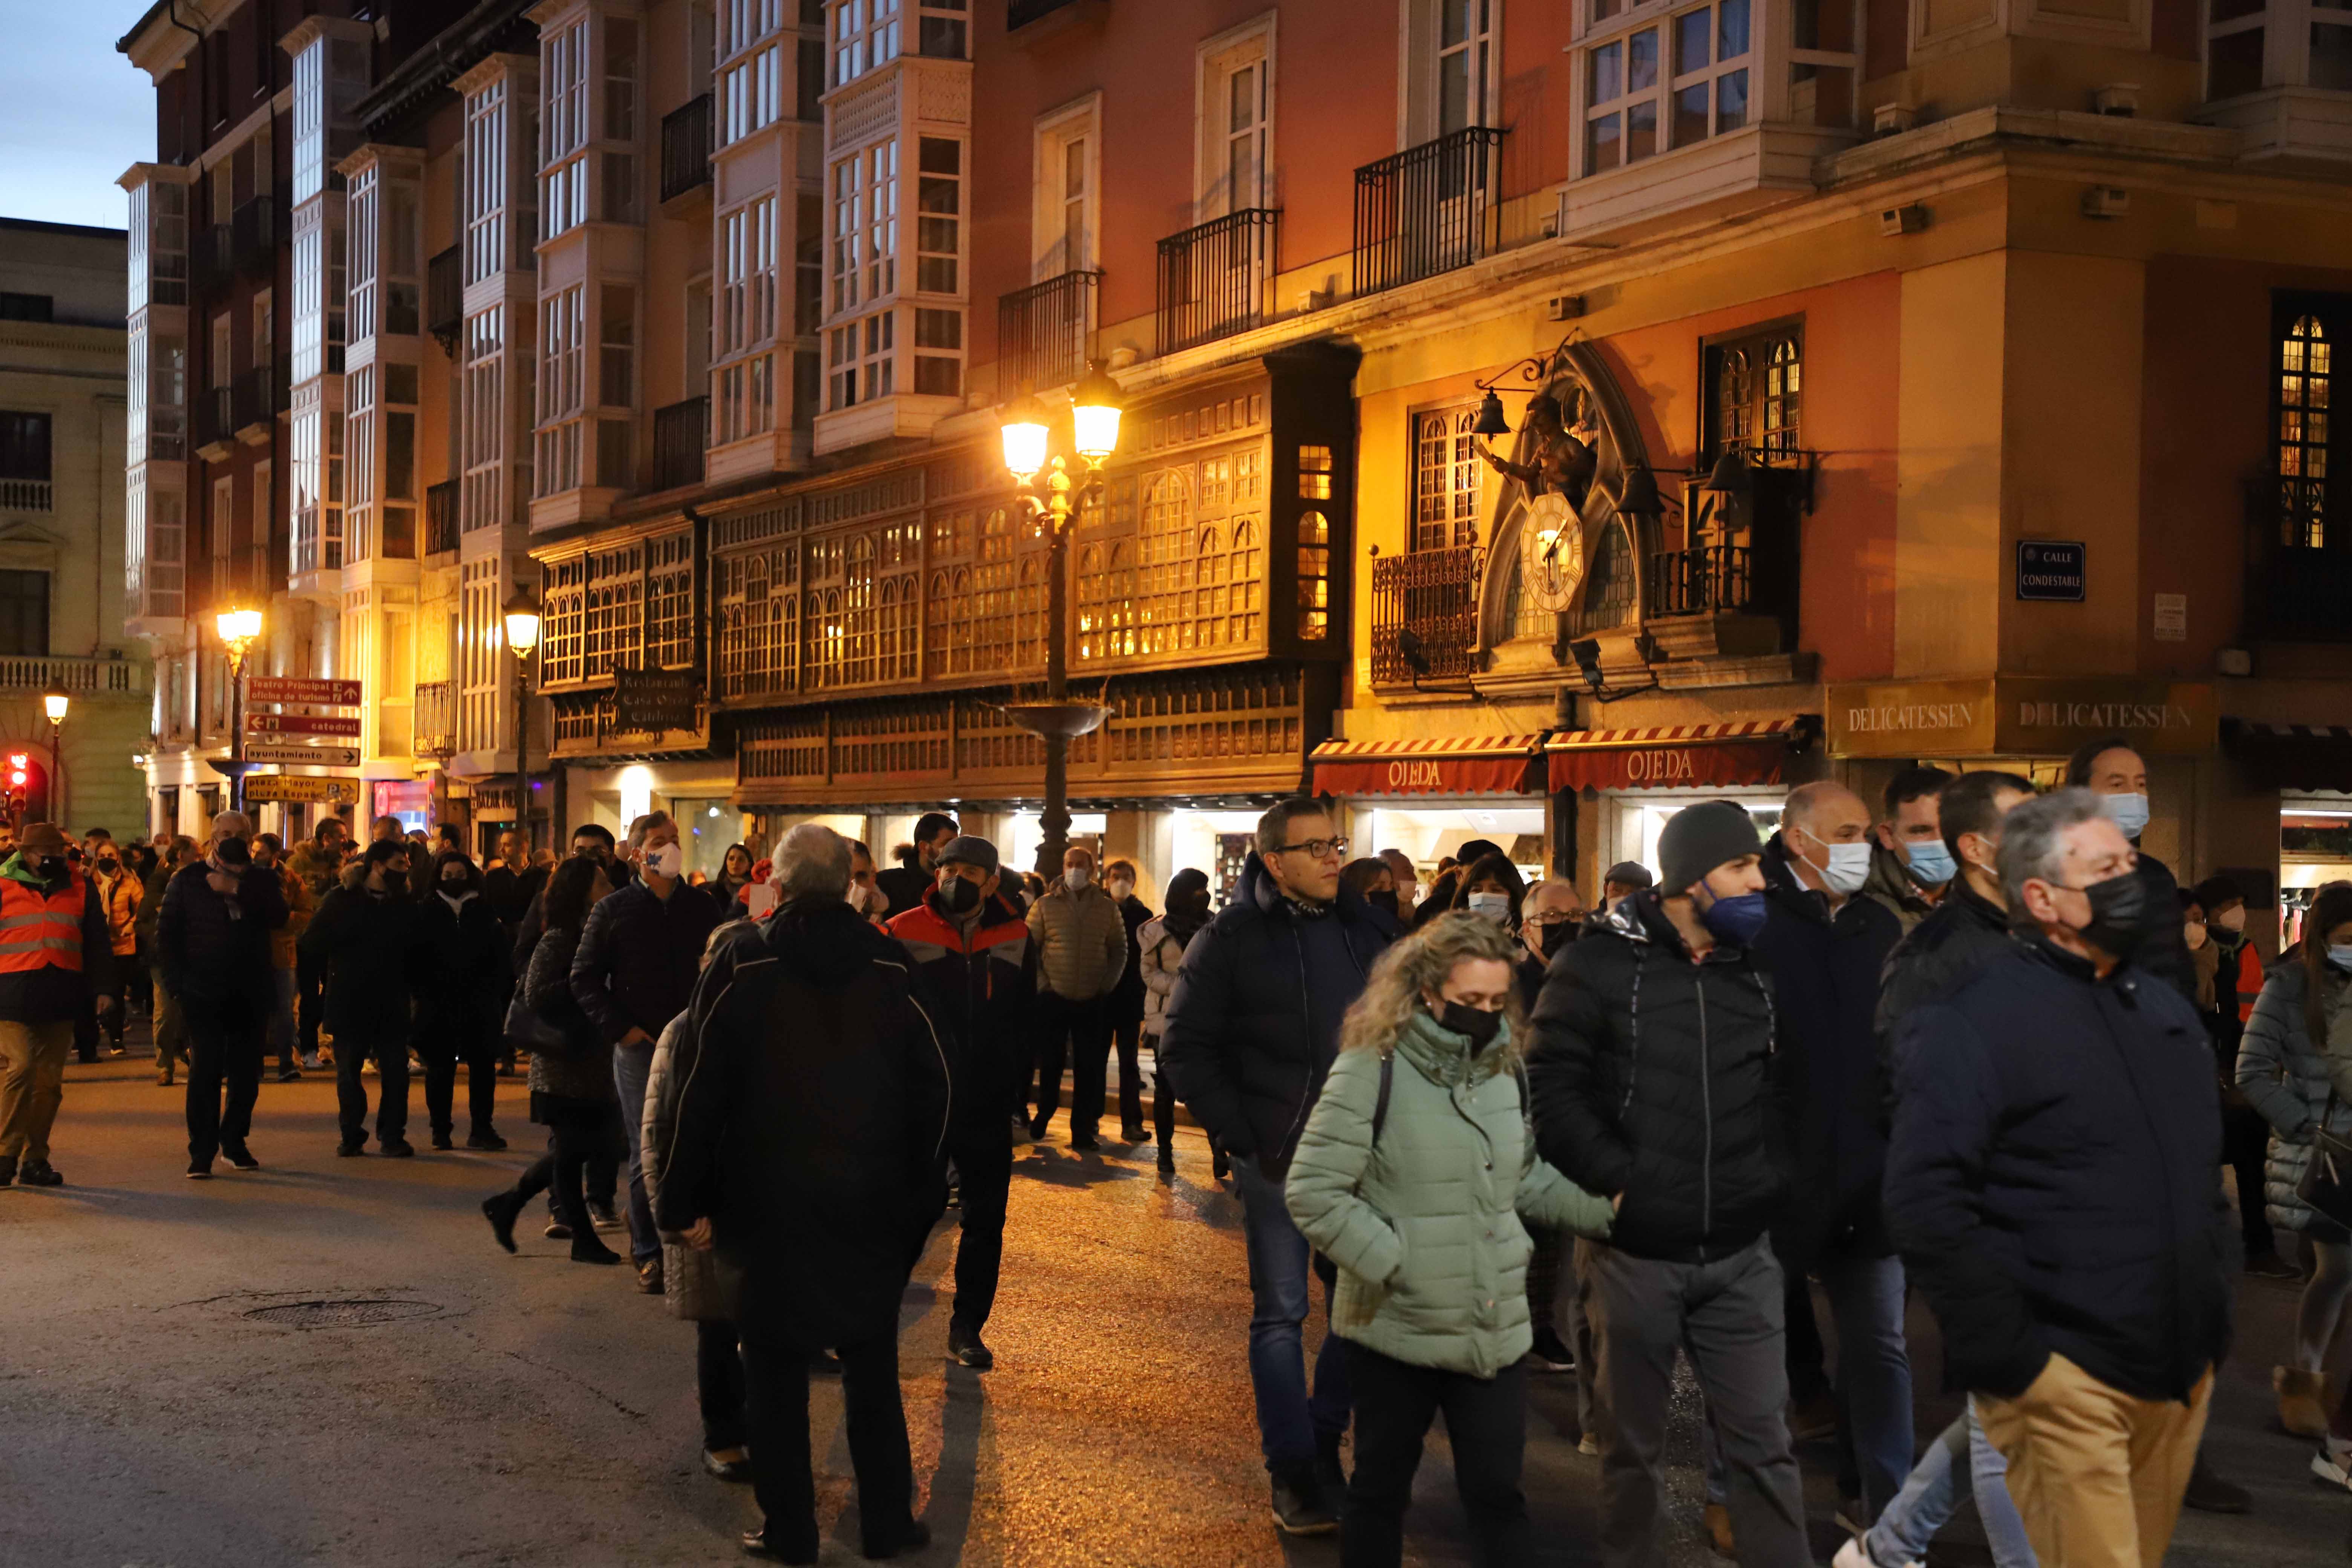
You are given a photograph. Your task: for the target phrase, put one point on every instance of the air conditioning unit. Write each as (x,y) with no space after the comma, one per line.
(2105,201)
(1888,119)
(2117,98)
(1564,307)
(1893,222)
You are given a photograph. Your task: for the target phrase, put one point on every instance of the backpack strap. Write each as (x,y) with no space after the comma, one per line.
(1380,1105)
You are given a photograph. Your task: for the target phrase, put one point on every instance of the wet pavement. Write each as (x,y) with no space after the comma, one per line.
(329,1361)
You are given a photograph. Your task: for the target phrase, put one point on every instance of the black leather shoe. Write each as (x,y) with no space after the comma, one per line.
(1086,1142)
(242,1158)
(735,1469)
(485,1139)
(396,1149)
(964,1348)
(501,1209)
(441,1140)
(38,1174)
(913,1536)
(757,1544)
(350,1147)
(8,1171)
(1300,1507)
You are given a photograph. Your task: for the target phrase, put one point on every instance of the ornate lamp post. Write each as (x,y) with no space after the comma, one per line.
(54,702)
(237,630)
(522,613)
(1048,493)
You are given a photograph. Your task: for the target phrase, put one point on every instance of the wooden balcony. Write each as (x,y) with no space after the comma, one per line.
(1425,210)
(441,518)
(681,435)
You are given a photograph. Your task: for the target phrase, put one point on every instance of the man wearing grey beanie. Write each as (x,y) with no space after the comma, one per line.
(1650,1075)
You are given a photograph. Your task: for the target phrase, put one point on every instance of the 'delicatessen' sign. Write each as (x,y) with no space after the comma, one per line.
(2018,715)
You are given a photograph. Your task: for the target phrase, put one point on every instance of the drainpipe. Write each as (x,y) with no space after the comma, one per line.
(172,11)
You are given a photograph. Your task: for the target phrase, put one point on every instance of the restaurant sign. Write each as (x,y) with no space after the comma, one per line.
(2020,715)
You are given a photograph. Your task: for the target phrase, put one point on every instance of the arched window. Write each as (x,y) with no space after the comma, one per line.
(1248,573)
(1314,576)
(2305,372)
(1609,586)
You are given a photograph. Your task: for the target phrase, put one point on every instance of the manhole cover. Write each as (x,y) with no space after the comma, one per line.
(357,1314)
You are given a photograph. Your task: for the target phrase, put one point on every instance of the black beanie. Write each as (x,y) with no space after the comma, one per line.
(1698,838)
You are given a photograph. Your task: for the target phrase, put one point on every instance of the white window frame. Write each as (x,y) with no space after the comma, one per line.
(1249,47)
(1420,29)
(1770,59)
(2286,26)
(1078,122)
(862,227)
(863,35)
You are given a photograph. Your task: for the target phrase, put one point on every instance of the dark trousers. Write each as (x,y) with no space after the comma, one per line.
(2245,1143)
(390,1050)
(476,1048)
(1127,1034)
(1083,1029)
(719,1385)
(776,1380)
(1163,1099)
(308,1006)
(115,1018)
(224,1047)
(1485,1423)
(86,1036)
(983,1160)
(574,1147)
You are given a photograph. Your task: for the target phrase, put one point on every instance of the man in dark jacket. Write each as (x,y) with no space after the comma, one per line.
(634,973)
(458,1015)
(366,943)
(978,967)
(1252,1027)
(807,1147)
(57,958)
(1824,947)
(1123,1008)
(2051,1183)
(906,885)
(213,938)
(1653,1083)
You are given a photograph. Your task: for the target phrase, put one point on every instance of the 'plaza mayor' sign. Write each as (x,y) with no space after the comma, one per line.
(2017,716)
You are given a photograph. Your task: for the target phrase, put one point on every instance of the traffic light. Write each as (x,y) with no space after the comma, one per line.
(28,785)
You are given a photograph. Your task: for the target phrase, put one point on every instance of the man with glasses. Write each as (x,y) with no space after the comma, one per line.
(1252,1027)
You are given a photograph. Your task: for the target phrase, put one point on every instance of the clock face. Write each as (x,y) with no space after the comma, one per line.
(1551,552)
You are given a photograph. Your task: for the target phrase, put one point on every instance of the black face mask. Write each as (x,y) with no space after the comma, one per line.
(2120,917)
(110,865)
(1552,938)
(1384,898)
(1474,1023)
(960,895)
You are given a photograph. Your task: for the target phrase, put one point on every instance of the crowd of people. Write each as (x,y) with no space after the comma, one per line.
(1889,1048)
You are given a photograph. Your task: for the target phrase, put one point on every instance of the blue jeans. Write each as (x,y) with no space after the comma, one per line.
(632,1065)
(1289,1420)
(1936,1491)
(1874,1370)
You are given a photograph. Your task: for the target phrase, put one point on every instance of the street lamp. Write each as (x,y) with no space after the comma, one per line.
(522,613)
(54,702)
(1048,493)
(237,629)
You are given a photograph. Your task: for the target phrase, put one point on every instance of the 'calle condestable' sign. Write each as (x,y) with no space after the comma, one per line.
(2018,715)
(2052,569)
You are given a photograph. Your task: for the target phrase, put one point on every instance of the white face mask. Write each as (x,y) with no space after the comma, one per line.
(858,897)
(1848,868)
(666,862)
(1120,888)
(2128,812)
(2341,957)
(1078,877)
(1495,907)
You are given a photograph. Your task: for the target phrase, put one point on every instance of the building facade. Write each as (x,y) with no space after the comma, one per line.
(1872,381)
(61,540)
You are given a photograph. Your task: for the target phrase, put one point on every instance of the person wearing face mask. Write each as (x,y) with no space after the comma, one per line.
(1550,916)
(1824,946)
(1910,866)
(1372,879)
(59,965)
(1125,1005)
(2229,977)
(634,972)
(1652,1080)
(1404,882)
(1969,929)
(2297,1048)
(1160,952)
(866,895)
(458,1015)
(367,945)
(2074,1257)
(1491,889)
(592,840)
(905,884)
(1412,1174)
(118,894)
(1549,912)
(1081,953)
(977,967)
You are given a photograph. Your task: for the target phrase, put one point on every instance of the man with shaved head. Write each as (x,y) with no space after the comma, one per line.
(1825,945)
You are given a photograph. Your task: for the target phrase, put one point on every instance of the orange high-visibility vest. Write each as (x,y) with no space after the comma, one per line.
(37,932)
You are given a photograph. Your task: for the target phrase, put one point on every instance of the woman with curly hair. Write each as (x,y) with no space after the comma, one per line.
(1414,1168)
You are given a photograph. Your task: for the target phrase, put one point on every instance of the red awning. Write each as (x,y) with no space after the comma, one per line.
(1671,756)
(1488,764)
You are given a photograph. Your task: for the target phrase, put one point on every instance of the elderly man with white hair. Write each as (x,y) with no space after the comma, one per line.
(808,1149)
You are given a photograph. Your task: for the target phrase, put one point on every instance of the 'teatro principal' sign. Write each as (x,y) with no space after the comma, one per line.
(2017,715)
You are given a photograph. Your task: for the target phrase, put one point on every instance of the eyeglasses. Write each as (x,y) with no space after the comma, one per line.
(1315,848)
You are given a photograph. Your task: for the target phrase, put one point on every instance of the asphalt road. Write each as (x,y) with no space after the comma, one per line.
(161,1404)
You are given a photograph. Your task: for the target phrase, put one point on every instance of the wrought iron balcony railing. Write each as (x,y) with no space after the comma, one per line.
(681,433)
(1046,332)
(1434,595)
(435,718)
(259,396)
(1425,210)
(686,148)
(1214,277)
(1702,581)
(216,415)
(441,518)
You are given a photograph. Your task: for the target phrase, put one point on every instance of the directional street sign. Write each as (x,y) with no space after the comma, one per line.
(289,753)
(300,724)
(302,789)
(289,689)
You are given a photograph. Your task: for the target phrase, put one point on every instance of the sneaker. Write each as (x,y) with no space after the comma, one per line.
(285,1075)
(2332,1462)
(242,1158)
(200,1170)
(485,1139)
(603,1217)
(1549,1353)
(38,1174)
(350,1146)
(1588,1444)
(163,1079)
(1134,1137)
(965,1349)
(2209,1493)
(441,1140)
(395,1148)
(1853,1554)
(1299,1508)
(738,1469)
(311,1061)
(649,1275)
(557,1231)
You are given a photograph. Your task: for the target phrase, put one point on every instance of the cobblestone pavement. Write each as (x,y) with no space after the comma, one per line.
(170,1397)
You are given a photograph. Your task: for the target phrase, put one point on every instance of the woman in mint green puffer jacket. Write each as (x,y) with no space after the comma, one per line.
(1418,1202)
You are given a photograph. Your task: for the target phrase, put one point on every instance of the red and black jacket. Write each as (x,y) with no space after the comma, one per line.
(978,984)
